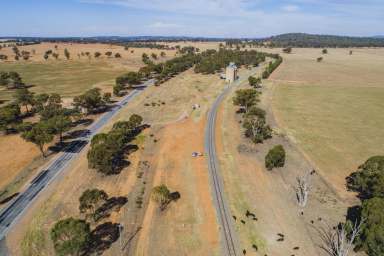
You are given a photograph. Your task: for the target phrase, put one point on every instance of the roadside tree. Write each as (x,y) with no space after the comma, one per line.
(70,236)
(39,134)
(245,98)
(91,200)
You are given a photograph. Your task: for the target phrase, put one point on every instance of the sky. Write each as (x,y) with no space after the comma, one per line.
(206,18)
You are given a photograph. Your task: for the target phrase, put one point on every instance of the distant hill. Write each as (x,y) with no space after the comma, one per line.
(310,40)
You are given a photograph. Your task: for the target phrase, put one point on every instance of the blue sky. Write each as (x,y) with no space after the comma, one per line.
(214,18)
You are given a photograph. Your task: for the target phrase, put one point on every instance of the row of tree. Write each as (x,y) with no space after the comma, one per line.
(212,61)
(254,121)
(272,65)
(107,151)
(73,236)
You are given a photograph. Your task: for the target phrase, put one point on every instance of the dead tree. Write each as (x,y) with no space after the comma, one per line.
(302,190)
(339,242)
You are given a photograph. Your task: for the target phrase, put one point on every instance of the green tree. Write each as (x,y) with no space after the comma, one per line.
(246,98)
(108,54)
(67,54)
(255,111)
(257,129)
(161,195)
(9,117)
(117,89)
(368,180)
(24,97)
(371,239)
(97,54)
(70,236)
(324,51)
(275,157)
(106,154)
(59,124)
(136,120)
(107,97)
(39,134)
(91,200)
(131,78)
(145,58)
(91,100)
(254,82)
(117,55)
(154,56)
(51,107)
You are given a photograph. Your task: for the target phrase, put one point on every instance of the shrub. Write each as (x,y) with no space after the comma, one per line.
(161,195)
(275,157)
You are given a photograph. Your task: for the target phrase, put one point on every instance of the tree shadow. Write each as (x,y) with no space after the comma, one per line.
(102,237)
(85,122)
(354,214)
(130,148)
(9,198)
(69,147)
(112,204)
(173,197)
(76,134)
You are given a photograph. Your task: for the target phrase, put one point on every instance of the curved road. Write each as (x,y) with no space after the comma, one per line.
(229,239)
(12,212)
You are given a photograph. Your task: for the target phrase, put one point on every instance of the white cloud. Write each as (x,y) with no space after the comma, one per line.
(253,18)
(290,8)
(160,24)
(192,7)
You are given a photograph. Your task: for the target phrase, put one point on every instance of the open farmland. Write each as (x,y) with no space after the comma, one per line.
(72,77)
(332,109)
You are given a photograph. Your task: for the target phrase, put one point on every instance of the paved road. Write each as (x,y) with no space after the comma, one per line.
(10,214)
(229,239)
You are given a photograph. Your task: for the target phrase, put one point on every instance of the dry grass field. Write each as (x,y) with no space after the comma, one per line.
(72,77)
(191,224)
(333,109)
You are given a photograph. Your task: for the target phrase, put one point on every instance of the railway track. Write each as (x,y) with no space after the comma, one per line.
(230,242)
